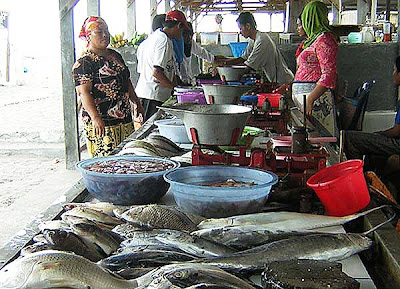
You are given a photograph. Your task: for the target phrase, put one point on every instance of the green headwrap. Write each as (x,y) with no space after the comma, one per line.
(315,21)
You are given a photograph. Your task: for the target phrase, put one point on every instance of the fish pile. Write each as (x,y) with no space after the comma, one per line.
(100,245)
(155,146)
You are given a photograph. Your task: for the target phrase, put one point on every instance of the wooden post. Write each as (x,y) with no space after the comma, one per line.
(72,154)
(131,17)
(93,7)
(362,11)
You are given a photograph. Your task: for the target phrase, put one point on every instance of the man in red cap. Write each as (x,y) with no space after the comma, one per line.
(158,70)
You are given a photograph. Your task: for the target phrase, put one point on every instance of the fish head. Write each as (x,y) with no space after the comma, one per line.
(17,273)
(55,236)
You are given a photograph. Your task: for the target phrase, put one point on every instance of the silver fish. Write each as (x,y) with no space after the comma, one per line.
(54,224)
(37,247)
(104,207)
(97,236)
(328,247)
(187,274)
(285,221)
(68,241)
(126,230)
(143,238)
(156,216)
(50,269)
(246,236)
(100,219)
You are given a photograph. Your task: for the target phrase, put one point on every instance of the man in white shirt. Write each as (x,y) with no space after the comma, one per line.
(261,52)
(191,47)
(158,66)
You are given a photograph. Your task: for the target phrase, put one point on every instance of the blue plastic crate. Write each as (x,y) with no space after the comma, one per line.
(238,48)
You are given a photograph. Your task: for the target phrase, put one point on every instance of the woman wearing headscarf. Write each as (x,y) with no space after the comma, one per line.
(316,67)
(103,84)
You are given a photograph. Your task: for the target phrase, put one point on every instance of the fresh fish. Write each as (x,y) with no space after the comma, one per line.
(54,224)
(55,269)
(195,245)
(246,236)
(101,219)
(187,274)
(158,247)
(138,152)
(37,247)
(285,221)
(142,144)
(104,207)
(145,258)
(68,241)
(143,238)
(126,230)
(39,238)
(156,216)
(211,286)
(161,141)
(95,235)
(328,247)
(161,283)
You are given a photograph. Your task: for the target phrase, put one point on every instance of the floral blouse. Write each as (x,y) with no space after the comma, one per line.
(110,78)
(317,63)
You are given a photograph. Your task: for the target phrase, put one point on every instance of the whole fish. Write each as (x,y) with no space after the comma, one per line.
(246,236)
(161,141)
(98,218)
(156,216)
(145,258)
(95,235)
(104,207)
(55,269)
(328,247)
(188,274)
(133,273)
(68,241)
(195,245)
(143,238)
(126,230)
(54,224)
(158,247)
(285,221)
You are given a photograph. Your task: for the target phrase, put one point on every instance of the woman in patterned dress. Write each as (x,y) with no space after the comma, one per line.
(103,84)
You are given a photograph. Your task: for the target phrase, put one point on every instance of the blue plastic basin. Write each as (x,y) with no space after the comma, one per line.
(215,202)
(126,189)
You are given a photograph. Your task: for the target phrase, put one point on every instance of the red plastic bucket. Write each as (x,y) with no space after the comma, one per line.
(272,97)
(341,188)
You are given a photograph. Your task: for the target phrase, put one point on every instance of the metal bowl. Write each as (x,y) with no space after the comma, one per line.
(224,94)
(231,73)
(214,124)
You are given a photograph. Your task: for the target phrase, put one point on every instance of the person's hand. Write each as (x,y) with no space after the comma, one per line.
(98,125)
(282,89)
(219,60)
(140,113)
(309,106)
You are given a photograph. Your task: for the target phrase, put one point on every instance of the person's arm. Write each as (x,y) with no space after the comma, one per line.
(158,74)
(314,95)
(84,92)
(136,101)
(233,61)
(393,132)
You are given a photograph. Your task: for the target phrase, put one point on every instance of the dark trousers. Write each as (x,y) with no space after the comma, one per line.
(150,107)
(373,145)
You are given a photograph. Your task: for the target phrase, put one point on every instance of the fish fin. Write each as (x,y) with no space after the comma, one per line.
(380,225)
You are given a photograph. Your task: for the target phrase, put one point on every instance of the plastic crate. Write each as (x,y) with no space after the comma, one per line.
(238,48)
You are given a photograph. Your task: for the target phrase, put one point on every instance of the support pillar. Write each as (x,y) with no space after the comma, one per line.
(131,17)
(93,7)
(362,11)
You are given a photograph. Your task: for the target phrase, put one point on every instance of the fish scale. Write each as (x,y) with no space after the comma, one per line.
(154,216)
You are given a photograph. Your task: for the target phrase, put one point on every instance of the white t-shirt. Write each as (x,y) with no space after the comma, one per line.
(186,73)
(157,51)
(263,54)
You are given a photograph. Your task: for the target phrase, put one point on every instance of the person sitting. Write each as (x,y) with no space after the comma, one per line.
(102,82)
(261,52)
(381,144)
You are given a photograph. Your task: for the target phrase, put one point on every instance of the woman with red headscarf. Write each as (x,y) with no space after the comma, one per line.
(103,84)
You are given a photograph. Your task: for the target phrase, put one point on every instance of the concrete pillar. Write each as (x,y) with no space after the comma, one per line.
(131,17)
(93,7)
(374,4)
(167,6)
(362,10)
(153,9)
(336,10)
(295,8)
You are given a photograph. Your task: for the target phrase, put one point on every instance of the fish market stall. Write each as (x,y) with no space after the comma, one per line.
(374,268)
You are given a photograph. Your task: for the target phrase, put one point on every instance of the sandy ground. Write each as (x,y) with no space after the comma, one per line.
(32,166)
